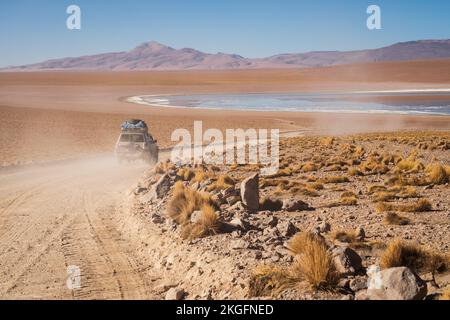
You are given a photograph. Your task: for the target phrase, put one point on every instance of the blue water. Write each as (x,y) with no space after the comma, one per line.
(306,102)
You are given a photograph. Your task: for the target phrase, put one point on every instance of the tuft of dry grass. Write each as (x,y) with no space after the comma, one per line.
(437,173)
(186,174)
(354,172)
(270,204)
(345,236)
(421,205)
(309,167)
(222,183)
(335,179)
(445,295)
(184,201)
(209,224)
(394,219)
(402,254)
(269,280)
(313,262)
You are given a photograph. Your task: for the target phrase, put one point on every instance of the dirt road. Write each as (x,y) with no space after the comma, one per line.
(56,216)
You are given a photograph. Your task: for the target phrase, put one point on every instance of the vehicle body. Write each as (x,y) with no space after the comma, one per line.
(135,143)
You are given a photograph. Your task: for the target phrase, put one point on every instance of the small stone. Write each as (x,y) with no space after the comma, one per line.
(287,229)
(175,294)
(196,216)
(324,227)
(358,284)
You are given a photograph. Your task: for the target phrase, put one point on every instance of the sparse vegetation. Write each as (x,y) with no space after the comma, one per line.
(402,254)
(313,261)
(421,205)
(395,219)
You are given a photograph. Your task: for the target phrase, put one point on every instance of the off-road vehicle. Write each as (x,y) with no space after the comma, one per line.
(136,143)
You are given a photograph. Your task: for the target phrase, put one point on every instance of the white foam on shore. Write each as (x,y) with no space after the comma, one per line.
(439,90)
(159,101)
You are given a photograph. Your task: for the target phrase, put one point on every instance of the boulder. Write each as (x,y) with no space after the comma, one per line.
(346,261)
(159,189)
(294,205)
(250,192)
(175,294)
(398,283)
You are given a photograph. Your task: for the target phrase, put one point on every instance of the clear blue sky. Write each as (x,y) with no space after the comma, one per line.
(35,30)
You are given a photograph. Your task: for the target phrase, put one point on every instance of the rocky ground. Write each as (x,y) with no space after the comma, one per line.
(377,204)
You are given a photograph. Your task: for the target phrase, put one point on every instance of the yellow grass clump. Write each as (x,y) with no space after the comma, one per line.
(184,201)
(269,280)
(209,224)
(313,261)
(437,173)
(402,254)
(344,236)
(222,183)
(186,174)
(335,179)
(421,205)
(445,295)
(394,219)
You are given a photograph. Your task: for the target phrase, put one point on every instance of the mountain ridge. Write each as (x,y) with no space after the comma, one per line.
(153,55)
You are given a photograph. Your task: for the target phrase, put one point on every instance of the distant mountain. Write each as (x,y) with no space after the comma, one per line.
(156,56)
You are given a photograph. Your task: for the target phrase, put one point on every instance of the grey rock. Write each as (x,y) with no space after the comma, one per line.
(324,227)
(159,189)
(358,284)
(250,192)
(346,261)
(398,283)
(175,294)
(287,229)
(196,216)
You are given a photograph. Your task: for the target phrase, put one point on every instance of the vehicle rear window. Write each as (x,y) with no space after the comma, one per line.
(132,138)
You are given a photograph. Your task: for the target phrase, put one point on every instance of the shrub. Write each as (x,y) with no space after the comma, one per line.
(209,224)
(401,254)
(422,205)
(395,219)
(335,179)
(184,201)
(313,262)
(344,236)
(437,174)
(268,280)
(270,204)
(223,182)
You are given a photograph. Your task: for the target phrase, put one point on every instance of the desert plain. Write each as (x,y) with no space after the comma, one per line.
(359,181)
